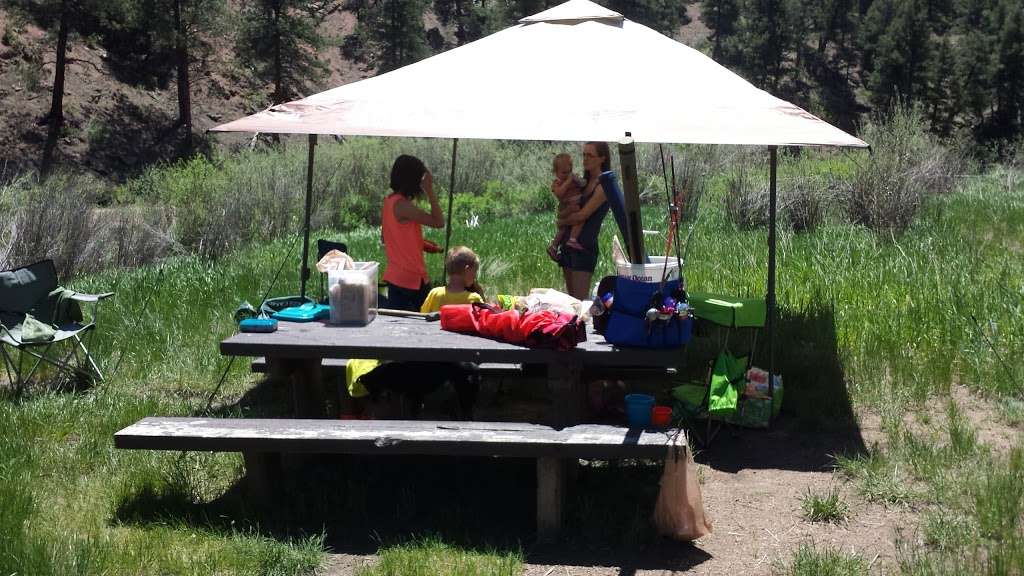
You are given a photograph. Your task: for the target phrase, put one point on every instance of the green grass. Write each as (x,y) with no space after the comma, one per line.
(830,507)
(432,557)
(865,322)
(810,561)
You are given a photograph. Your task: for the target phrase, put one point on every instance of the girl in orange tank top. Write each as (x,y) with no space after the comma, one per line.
(401,225)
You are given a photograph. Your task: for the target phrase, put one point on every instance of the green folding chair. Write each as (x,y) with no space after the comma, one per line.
(732,317)
(44,322)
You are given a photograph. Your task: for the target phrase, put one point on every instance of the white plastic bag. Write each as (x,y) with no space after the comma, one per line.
(335,260)
(551,299)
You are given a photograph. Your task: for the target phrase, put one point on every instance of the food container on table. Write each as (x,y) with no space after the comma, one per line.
(638,410)
(352,294)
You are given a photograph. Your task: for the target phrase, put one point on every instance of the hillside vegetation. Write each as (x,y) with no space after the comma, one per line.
(112,86)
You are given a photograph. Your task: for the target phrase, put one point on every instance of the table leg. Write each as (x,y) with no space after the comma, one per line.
(262,475)
(550,487)
(278,371)
(565,380)
(308,395)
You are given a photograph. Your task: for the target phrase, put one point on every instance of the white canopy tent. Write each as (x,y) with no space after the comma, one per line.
(575,72)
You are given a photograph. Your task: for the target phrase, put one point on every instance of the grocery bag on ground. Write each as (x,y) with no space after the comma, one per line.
(679,511)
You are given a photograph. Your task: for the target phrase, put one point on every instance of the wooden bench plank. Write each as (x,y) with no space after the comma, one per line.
(394,437)
(328,365)
(263,441)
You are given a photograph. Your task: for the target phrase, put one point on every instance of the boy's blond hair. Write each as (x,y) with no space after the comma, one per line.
(559,158)
(459,258)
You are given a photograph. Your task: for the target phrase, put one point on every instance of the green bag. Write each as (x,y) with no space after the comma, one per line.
(726,380)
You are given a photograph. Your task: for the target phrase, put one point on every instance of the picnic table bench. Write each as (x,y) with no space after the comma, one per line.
(262,441)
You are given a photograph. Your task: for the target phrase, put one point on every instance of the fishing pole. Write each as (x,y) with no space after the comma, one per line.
(231,362)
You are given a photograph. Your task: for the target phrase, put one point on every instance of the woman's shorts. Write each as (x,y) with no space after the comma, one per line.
(578,260)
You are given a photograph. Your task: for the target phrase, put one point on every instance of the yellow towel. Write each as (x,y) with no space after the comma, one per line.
(354,369)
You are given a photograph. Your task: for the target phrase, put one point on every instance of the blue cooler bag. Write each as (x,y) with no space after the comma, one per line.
(627,321)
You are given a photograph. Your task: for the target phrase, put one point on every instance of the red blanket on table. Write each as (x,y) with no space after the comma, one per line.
(542,329)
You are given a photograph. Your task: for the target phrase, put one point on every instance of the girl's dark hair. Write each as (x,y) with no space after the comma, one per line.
(604,152)
(406,174)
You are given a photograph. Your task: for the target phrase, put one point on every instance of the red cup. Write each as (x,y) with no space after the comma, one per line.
(661,416)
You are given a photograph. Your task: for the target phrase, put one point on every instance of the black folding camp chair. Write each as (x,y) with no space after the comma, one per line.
(44,321)
(322,248)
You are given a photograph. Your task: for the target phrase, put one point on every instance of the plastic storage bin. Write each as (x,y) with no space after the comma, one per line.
(650,272)
(353,294)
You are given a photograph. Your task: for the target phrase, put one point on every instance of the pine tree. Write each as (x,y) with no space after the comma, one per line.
(181,28)
(393,31)
(466,16)
(1009,72)
(279,40)
(899,60)
(943,96)
(973,61)
(665,16)
(721,18)
(764,41)
(64,19)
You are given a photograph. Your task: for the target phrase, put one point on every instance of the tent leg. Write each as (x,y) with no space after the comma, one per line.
(448,227)
(770,299)
(304,270)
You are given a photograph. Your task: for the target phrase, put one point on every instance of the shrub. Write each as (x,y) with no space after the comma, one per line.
(59,219)
(803,201)
(906,166)
(746,199)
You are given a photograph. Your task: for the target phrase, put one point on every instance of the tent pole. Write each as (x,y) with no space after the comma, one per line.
(448,227)
(304,271)
(770,299)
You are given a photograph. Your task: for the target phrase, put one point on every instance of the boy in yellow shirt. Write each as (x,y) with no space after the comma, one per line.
(462,266)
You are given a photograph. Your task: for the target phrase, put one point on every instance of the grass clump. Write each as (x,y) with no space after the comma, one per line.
(432,557)
(879,478)
(830,507)
(810,561)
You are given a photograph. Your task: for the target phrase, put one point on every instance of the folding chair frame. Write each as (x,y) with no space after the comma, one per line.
(84,363)
(723,346)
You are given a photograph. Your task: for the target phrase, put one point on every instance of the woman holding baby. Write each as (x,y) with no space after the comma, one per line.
(576,250)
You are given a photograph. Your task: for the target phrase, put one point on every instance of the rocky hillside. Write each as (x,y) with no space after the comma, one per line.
(117,125)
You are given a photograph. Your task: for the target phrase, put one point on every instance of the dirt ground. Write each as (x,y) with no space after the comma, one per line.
(752,485)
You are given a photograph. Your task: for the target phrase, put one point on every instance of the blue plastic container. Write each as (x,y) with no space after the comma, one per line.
(638,410)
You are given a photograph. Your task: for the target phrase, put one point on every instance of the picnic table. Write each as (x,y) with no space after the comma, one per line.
(302,346)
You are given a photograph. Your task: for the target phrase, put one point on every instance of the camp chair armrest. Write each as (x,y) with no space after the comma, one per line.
(80,297)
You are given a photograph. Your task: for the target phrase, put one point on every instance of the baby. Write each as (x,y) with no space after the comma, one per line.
(567,188)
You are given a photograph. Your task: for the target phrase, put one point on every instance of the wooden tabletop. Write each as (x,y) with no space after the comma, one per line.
(413,339)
